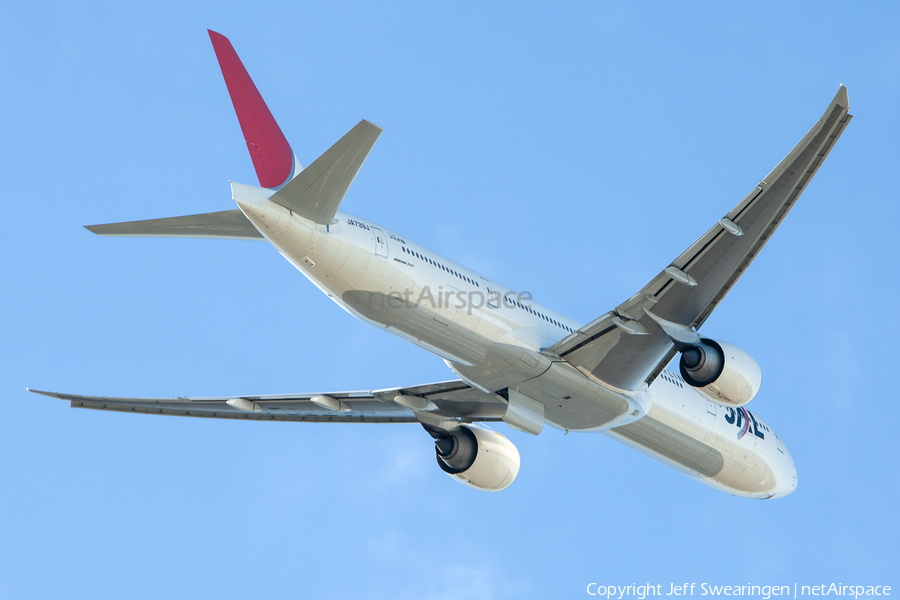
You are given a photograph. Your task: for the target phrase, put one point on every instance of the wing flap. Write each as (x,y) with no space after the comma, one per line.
(226,224)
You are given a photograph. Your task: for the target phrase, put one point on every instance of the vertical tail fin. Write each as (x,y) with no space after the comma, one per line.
(269,149)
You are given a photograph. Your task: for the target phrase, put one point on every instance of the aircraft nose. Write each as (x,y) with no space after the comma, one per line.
(787,476)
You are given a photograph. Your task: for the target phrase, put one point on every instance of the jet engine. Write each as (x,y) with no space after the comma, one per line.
(721,371)
(478,457)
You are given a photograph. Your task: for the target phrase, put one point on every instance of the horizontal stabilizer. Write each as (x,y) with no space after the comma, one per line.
(317,192)
(231,224)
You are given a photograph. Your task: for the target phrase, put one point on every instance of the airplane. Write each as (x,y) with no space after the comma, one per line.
(515,360)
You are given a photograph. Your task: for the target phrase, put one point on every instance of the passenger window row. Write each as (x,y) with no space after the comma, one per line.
(476,284)
(672,378)
(440,266)
(514,302)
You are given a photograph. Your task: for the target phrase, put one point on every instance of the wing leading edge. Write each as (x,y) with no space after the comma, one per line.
(628,346)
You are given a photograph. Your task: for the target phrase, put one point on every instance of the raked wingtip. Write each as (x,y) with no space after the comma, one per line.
(841,98)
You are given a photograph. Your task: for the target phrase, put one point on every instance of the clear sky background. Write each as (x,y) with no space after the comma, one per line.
(570,150)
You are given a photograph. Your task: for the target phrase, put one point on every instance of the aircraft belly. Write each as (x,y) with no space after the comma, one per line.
(390,293)
(343,261)
(686,437)
(503,365)
(667,442)
(417,321)
(574,402)
(493,355)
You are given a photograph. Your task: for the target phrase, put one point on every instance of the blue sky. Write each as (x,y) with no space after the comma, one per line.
(572,151)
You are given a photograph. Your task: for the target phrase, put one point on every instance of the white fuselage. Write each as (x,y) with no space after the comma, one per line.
(493,338)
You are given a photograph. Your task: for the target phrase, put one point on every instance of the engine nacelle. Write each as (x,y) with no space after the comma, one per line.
(721,371)
(480,458)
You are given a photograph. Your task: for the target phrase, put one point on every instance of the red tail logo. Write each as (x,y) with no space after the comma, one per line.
(269,149)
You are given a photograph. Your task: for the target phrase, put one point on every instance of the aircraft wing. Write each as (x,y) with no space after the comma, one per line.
(441,401)
(628,346)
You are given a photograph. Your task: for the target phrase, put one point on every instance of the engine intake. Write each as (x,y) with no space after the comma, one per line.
(702,364)
(478,457)
(721,371)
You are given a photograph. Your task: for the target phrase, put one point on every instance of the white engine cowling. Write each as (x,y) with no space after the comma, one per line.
(721,371)
(478,457)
